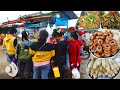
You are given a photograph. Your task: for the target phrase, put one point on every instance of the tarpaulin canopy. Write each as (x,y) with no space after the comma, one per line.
(28,19)
(61,21)
(32,25)
(42,20)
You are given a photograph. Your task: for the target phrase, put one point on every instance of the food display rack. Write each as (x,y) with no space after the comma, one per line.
(100,28)
(101,22)
(114,77)
(85,13)
(112,57)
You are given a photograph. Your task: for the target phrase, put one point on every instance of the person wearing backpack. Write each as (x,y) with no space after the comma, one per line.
(24,57)
(42,53)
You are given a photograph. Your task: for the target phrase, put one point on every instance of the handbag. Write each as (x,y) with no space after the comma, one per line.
(56,71)
(41,47)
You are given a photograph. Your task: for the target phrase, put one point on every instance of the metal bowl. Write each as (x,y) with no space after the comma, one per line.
(114,77)
(111,57)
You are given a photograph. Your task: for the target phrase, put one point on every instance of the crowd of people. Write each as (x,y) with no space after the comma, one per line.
(36,59)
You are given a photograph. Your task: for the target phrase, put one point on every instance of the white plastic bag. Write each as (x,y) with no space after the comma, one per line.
(49,30)
(75,73)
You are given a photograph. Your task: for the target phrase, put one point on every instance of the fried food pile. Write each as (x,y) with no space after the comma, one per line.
(103,45)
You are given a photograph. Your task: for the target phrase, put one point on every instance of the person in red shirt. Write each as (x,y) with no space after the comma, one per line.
(72,29)
(80,32)
(74,50)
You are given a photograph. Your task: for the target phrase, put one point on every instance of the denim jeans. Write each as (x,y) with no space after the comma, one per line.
(67,61)
(11,57)
(41,71)
(25,69)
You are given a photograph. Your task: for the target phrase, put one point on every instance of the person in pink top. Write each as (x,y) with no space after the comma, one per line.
(42,53)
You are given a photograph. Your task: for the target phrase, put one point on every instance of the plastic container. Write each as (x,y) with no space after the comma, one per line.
(56,72)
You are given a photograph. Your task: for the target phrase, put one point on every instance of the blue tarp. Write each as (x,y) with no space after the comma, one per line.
(38,25)
(28,25)
(61,21)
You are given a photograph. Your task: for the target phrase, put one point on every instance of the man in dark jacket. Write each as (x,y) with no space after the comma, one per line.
(60,48)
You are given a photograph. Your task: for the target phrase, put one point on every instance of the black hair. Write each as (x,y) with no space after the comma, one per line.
(74,35)
(12,30)
(24,35)
(43,36)
(57,32)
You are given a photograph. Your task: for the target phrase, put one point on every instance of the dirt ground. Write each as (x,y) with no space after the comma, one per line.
(4,63)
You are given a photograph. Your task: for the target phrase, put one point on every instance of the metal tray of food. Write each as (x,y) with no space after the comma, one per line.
(110,20)
(114,77)
(88,20)
(111,57)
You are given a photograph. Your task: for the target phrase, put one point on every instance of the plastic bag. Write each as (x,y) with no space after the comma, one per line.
(49,30)
(75,73)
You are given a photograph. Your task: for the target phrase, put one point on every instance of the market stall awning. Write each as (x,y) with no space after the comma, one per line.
(45,18)
(69,14)
(28,19)
(60,18)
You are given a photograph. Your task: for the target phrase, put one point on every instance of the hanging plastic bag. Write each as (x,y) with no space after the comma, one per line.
(49,30)
(75,73)
(56,72)
(54,27)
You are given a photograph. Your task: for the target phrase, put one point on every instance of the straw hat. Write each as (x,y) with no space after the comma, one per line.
(71,29)
(11,70)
